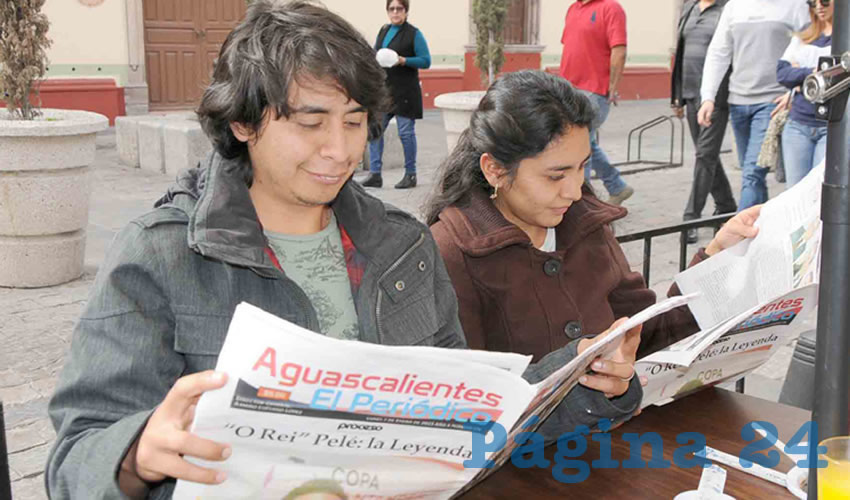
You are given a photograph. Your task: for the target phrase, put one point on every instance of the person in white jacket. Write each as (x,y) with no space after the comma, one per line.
(751,36)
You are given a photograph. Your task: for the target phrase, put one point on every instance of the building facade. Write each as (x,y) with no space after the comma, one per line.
(135,56)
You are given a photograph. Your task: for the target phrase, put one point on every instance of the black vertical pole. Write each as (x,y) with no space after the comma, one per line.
(832,357)
(5,482)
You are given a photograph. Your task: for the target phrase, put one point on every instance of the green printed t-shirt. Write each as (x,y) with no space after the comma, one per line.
(316,262)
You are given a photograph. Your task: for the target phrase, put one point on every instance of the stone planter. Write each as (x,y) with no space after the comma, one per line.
(44,195)
(457,110)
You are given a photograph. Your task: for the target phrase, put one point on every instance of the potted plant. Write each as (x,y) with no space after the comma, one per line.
(44,159)
(488,16)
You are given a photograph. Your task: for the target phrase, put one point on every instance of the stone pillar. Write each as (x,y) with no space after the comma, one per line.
(136,89)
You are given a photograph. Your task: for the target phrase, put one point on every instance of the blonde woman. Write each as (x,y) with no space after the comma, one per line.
(804,136)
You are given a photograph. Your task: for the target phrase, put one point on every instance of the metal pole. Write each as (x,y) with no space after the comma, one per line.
(647,258)
(832,368)
(5,482)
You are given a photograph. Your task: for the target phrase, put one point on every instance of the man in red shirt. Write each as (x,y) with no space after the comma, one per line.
(593,59)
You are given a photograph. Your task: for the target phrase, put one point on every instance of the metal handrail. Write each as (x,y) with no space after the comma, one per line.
(682,227)
(5,482)
(715,221)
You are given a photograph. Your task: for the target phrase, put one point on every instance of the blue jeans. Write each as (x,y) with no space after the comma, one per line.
(407,134)
(749,122)
(610,176)
(803,148)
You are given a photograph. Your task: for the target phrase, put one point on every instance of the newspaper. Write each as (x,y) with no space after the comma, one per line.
(754,297)
(728,351)
(783,256)
(308,414)
(552,390)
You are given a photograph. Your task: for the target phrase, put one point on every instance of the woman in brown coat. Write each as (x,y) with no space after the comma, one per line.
(529,248)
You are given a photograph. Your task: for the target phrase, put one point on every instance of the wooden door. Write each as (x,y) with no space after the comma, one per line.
(182,39)
(220,17)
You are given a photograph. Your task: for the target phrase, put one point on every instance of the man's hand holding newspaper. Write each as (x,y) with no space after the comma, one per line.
(158,452)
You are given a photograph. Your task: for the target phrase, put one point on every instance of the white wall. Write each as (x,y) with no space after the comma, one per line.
(98,35)
(651,28)
(444,23)
(87,35)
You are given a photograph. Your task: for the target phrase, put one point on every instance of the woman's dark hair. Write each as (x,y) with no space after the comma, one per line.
(519,116)
(276,44)
(404,3)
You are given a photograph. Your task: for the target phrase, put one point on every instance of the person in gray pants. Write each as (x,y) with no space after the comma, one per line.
(696,27)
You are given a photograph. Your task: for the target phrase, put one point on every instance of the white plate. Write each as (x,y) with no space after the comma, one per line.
(794,482)
(694,495)
(796,476)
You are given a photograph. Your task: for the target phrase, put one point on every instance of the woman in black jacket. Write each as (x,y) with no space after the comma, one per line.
(403,80)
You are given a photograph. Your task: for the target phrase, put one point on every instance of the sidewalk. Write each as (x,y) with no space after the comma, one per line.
(36,325)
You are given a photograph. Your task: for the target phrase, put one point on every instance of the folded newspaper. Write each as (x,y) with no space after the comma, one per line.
(306,414)
(753,298)
(728,351)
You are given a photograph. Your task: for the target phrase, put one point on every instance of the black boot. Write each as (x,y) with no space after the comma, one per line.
(407,182)
(373,181)
(692,236)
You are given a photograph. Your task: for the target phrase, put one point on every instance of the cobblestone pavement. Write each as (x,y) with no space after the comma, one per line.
(36,324)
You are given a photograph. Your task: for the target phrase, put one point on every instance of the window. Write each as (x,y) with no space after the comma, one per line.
(516,27)
(522,26)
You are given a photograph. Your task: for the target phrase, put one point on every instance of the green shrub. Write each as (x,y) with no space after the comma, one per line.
(489,19)
(23,54)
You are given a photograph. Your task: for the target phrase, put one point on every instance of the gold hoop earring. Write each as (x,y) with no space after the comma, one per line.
(495,193)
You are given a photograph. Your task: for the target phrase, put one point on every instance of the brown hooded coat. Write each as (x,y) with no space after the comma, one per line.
(514,297)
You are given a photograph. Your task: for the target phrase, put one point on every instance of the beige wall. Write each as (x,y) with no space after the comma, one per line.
(87,35)
(444,23)
(650,30)
(86,38)
(552,13)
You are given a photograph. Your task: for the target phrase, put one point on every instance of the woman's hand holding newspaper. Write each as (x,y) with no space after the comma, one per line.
(158,452)
(612,376)
(737,229)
